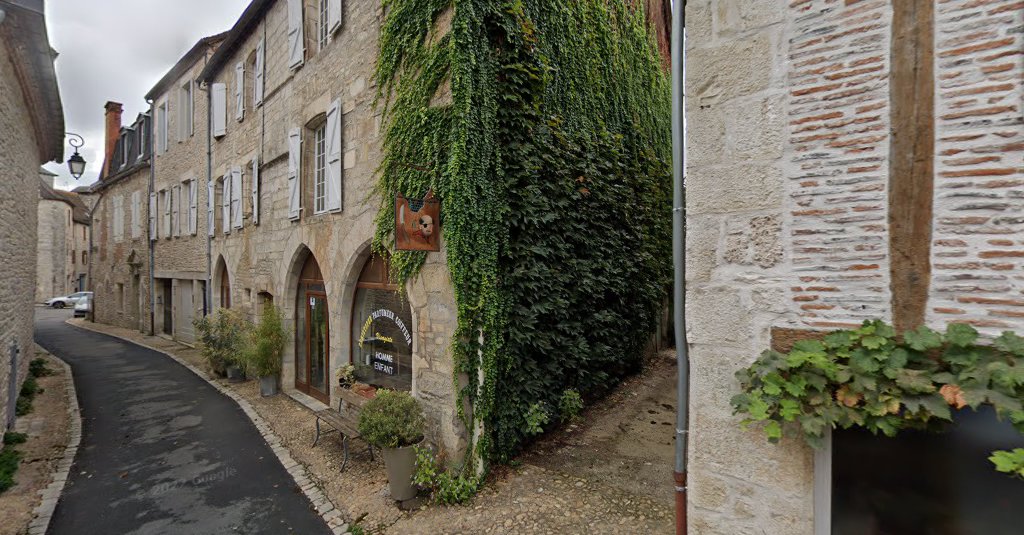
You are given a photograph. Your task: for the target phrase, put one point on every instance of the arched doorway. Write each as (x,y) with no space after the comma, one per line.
(223,284)
(381,336)
(312,334)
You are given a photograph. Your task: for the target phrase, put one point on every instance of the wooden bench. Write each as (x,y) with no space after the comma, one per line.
(345,421)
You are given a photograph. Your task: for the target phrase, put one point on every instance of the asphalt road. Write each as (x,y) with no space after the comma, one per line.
(162,451)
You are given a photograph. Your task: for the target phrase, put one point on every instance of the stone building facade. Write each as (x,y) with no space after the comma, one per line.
(178,235)
(119,270)
(295,144)
(62,247)
(31,133)
(845,161)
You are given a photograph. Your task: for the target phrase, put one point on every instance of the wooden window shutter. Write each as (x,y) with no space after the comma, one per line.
(176,215)
(219,98)
(193,207)
(296,41)
(294,175)
(152,216)
(236,197)
(256,191)
(211,223)
(333,141)
(239,93)
(167,213)
(333,16)
(258,75)
(136,214)
(225,204)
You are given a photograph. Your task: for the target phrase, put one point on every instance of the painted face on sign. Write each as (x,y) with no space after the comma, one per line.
(426,226)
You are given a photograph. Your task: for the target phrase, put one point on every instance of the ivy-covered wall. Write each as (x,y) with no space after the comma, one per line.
(544,128)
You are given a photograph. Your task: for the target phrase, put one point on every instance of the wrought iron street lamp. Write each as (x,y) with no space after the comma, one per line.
(76,164)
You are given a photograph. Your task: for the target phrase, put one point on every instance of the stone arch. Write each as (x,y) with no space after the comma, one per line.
(222,278)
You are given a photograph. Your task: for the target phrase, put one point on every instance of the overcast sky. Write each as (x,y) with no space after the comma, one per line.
(117,50)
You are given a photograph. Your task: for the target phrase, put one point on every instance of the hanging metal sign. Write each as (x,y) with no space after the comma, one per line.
(418,223)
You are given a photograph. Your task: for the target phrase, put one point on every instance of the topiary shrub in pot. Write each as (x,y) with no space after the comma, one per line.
(222,338)
(393,421)
(262,356)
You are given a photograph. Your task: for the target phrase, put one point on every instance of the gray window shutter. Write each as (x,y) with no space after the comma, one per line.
(211,190)
(219,96)
(296,41)
(333,15)
(225,204)
(176,215)
(256,191)
(193,207)
(181,126)
(294,176)
(333,142)
(239,93)
(258,75)
(152,216)
(236,197)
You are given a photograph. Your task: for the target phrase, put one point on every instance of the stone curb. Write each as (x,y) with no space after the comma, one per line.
(318,500)
(42,514)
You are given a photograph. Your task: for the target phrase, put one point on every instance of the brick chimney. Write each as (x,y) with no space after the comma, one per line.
(113,132)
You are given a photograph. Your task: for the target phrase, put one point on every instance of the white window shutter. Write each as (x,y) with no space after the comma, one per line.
(296,41)
(152,216)
(257,76)
(225,204)
(167,213)
(193,207)
(294,175)
(136,214)
(177,211)
(333,141)
(333,15)
(256,191)
(239,93)
(236,197)
(219,96)
(211,223)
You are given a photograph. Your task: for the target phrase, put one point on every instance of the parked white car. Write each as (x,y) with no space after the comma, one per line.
(67,300)
(83,306)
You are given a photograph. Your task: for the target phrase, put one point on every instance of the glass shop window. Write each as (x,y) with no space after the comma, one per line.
(381,329)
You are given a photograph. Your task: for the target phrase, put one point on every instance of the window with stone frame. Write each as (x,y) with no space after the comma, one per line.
(323,25)
(314,166)
(250,79)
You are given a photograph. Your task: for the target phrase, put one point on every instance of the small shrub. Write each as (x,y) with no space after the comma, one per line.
(445,488)
(9,460)
(393,419)
(536,418)
(12,437)
(222,336)
(37,368)
(570,405)
(30,388)
(23,406)
(262,355)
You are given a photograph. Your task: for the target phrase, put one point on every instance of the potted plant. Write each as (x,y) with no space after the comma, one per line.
(346,375)
(393,421)
(262,357)
(222,337)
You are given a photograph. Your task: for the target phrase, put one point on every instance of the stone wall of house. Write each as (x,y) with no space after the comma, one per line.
(978,236)
(54,256)
(181,256)
(19,197)
(788,181)
(80,249)
(120,265)
(266,258)
(739,204)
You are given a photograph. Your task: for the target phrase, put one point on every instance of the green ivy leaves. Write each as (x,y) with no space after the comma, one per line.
(869,377)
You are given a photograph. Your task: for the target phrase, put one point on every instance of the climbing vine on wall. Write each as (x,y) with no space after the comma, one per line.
(551,160)
(871,378)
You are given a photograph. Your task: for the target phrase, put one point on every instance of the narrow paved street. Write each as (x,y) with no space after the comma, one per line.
(162,451)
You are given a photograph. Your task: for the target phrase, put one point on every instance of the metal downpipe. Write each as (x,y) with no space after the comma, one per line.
(679,260)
